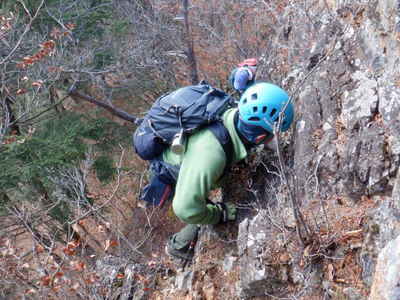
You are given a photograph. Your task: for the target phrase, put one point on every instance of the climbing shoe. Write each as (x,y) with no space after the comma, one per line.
(185,253)
(181,244)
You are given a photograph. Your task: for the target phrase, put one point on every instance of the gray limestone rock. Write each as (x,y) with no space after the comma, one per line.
(384,226)
(125,288)
(361,102)
(386,281)
(257,277)
(364,169)
(184,280)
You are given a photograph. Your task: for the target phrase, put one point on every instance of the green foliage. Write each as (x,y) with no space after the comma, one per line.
(43,19)
(102,59)
(59,143)
(60,212)
(91,23)
(104,167)
(90,16)
(32,5)
(119,27)
(108,134)
(4,200)
(56,144)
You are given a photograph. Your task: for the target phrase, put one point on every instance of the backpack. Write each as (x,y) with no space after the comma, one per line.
(184,111)
(232,76)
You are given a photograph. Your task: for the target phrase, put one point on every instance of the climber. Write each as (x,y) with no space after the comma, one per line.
(204,161)
(244,75)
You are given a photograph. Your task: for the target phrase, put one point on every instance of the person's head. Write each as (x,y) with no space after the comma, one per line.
(242,79)
(259,109)
(243,75)
(248,62)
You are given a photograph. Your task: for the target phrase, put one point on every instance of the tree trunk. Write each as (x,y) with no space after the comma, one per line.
(191,57)
(53,97)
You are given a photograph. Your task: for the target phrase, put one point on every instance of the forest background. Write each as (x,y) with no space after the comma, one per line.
(69,179)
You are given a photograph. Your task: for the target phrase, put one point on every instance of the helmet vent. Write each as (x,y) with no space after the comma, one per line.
(254,96)
(264,109)
(244,101)
(255,108)
(254,119)
(273,112)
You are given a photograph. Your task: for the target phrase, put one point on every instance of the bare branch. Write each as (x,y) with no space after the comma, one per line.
(27,28)
(116,111)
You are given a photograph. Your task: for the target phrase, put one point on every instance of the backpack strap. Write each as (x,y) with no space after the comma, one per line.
(231,78)
(223,136)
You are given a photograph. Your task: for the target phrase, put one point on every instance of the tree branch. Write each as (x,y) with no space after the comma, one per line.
(27,28)
(115,111)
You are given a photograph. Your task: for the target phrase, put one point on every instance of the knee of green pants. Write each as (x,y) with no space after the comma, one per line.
(187,212)
(191,213)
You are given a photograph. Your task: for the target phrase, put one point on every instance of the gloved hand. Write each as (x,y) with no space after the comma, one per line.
(228,211)
(271,144)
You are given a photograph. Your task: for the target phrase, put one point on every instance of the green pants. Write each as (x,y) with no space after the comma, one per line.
(195,211)
(182,239)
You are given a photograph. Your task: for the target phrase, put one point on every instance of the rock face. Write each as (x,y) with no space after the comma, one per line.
(346,143)
(257,276)
(384,227)
(349,108)
(387,275)
(129,287)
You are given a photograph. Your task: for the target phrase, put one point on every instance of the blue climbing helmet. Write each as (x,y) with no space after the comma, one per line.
(261,104)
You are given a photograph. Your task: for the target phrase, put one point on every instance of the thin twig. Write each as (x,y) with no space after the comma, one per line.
(95,209)
(27,28)
(44,111)
(297,214)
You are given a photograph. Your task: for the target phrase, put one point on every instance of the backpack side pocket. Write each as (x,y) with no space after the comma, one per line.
(146,144)
(162,183)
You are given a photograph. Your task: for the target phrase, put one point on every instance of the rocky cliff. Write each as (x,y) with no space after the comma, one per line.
(325,223)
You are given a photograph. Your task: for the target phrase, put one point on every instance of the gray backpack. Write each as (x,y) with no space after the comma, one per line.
(184,111)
